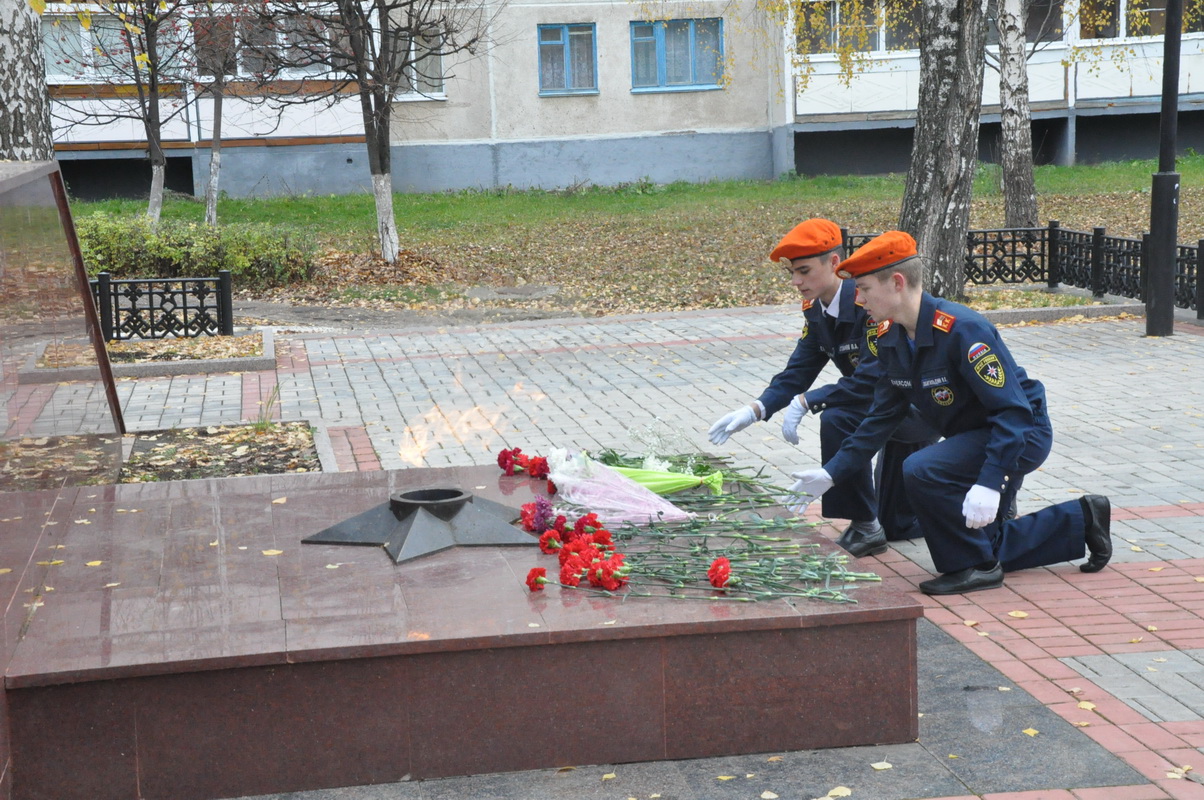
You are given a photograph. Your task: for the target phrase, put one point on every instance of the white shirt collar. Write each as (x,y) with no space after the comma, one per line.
(833,308)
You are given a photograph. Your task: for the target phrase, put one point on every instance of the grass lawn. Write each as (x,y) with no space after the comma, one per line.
(647,247)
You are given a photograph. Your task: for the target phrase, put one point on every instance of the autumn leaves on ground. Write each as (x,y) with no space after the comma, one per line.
(641,247)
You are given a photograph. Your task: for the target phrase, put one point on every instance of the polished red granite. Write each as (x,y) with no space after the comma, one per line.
(190,664)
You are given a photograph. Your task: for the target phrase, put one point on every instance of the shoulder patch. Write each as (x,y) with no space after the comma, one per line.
(883,326)
(806,329)
(943,322)
(807,304)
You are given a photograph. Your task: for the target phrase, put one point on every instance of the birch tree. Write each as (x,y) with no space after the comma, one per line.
(136,64)
(1015,116)
(940,179)
(378,50)
(25,129)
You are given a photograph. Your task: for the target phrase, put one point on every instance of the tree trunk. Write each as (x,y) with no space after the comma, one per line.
(386,225)
(375,112)
(940,180)
(1019,191)
(155,205)
(215,157)
(25,130)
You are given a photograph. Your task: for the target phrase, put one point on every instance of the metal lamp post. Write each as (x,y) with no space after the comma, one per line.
(1164,197)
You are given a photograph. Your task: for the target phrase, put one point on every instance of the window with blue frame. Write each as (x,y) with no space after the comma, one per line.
(568,61)
(676,54)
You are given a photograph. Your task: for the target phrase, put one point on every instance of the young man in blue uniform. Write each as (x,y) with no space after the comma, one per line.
(947,361)
(836,328)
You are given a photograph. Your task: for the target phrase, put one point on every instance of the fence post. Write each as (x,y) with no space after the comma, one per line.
(1200,279)
(1097,262)
(104,296)
(1053,267)
(1145,271)
(225,303)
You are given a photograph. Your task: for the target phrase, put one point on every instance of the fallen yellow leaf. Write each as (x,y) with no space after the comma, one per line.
(111,585)
(1031,731)
(93,563)
(272,552)
(1151,628)
(1135,641)
(5,570)
(279,501)
(334,566)
(1157,569)
(57,547)
(1081,724)
(774,758)
(984,633)
(1087,705)
(83,522)
(969,623)
(54,563)
(1005,688)
(749,774)
(1198,580)
(1159,660)
(213,543)
(610,776)
(953,756)
(725,777)
(840,791)
(1136,549)
(882,765)
(1018,614)
(768,795)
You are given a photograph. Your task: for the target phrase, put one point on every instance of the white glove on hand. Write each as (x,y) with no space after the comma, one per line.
(981,506)
(728,424)
(809,485)
(792,417)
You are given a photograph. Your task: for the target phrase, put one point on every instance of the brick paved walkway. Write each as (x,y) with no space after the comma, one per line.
(1119,654)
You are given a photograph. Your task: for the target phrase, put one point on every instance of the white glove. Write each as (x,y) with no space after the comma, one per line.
(809,485)
(981,506)
(728,424)
(792,417)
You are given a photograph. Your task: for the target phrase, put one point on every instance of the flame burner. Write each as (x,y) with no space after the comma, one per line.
(419,522)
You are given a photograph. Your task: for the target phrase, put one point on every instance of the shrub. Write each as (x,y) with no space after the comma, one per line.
(258,256)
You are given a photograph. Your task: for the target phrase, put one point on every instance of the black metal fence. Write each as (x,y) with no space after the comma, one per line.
(157,308)
(1087,260)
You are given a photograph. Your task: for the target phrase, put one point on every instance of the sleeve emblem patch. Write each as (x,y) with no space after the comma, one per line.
(942,395)
(943,322)
(806,329)
(991,371)
(871,338)
(977,351)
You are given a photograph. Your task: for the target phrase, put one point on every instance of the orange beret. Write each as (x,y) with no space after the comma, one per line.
(811,238)
(879,253)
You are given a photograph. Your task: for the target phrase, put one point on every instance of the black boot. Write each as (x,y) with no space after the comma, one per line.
(863,539)
(970,579)
(1097,512)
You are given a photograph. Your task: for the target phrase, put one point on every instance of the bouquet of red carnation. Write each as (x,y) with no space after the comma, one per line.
(515,460)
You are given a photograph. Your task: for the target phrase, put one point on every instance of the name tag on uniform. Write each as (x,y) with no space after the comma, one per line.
(937,381)
(902,383)
(850,346)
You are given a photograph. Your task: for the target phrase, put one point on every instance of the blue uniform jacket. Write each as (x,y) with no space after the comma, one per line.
(961,377)
(841,340)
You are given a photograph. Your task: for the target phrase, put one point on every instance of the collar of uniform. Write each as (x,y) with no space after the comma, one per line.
(928,309)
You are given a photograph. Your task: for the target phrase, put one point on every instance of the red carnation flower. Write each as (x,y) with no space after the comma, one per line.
(527,517)
(550,542)
(560,524)
(551,487)
(536,578)
(587,524)
(572,570)
(720,572)
(537,467)
(602,539)
(610,574)
(509,459)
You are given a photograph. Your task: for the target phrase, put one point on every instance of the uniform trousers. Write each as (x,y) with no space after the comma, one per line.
(937,478)
(854,499)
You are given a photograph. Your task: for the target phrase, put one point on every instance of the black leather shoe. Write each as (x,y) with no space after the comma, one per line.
(862,543)
(1097,511)
(970,579)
